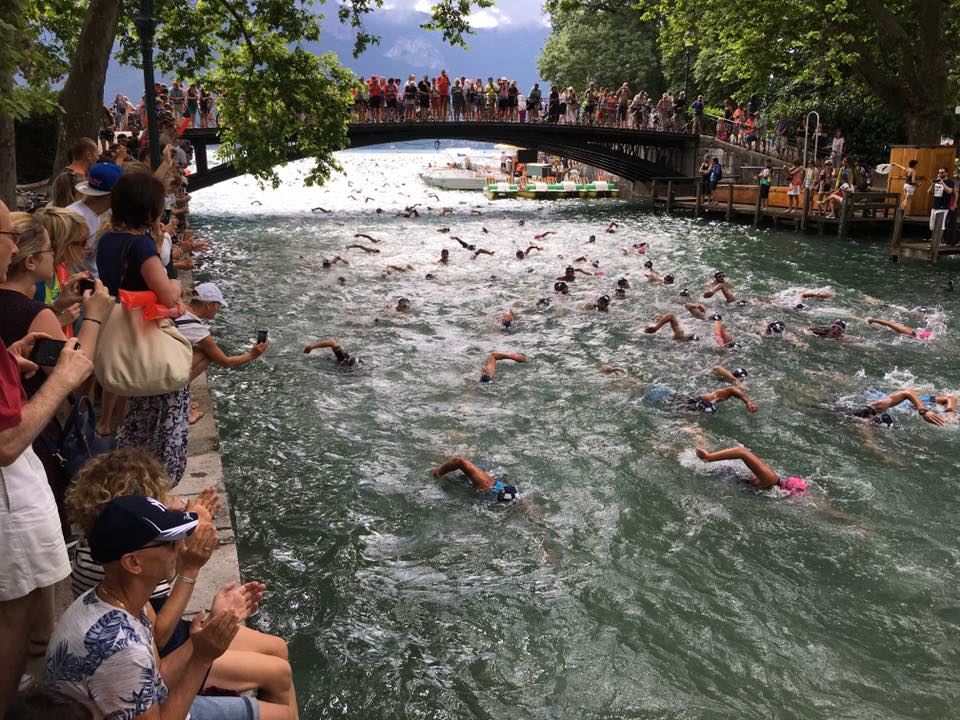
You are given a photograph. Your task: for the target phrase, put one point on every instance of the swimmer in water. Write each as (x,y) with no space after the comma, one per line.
(343,358)
(543,235)
(444,257)
(569,275)
(464,245)
(655,277)
(398,268)
(368,250)
(602,304)
(612,226)
(623,284)
(831,332)
(734,377)
(876,411)
(402,304)
(919,333)
(482,251)
(697,310)
(366,237)
(721,335)
(763,476)
(522,254)
(480,479)
(678,334)
(720,285)
(561,287)
(507,319)
(490,366)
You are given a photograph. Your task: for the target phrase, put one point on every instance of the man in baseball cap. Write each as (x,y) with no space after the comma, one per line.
(94,207)
(209,292)
(102,652)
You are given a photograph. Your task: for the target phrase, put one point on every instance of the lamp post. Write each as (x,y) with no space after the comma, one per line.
(687,44)
(146,24)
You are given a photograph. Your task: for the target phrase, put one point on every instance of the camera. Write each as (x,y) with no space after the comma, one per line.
(84,284)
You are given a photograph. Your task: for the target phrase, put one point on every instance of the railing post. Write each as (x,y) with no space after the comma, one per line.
(669,195)
(756,211)
(937,238)
(730,201)
(844,215)
(893,250)
(806,208)
(698,211)
(653,192)
(200,158)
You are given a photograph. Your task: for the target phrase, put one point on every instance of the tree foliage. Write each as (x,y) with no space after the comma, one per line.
(253,51)
(607,46)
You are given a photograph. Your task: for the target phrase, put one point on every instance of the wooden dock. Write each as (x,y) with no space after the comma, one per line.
(877,211)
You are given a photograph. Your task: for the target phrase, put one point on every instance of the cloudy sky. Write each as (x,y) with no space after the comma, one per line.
(507,41)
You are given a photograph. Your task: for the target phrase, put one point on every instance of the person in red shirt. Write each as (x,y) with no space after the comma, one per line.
(443,87)
(376,99)
(33,557)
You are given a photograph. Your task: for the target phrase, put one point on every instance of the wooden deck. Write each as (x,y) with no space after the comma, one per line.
(876,211)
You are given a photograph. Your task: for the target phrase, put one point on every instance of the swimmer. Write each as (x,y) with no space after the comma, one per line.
(343,358)
(721,335)
(719,285)
(763,476)
(543,235)
(561,287)
(507,319)
(602,304)
(569,275)
(368,250)
(444,257)
(697,310)
(919,334)
(527,251)
(612,226)
(876,411)
(479,479)
(543,302)
(592,239)
(490,366)
(319,209)
(482,251)
(620,292)
(734,377)
(949,403)
(443,229)
(623,283)
(397,268)
(678,334)
(656,277)
(402,305)
(465,246)
(366,237)
(831,332)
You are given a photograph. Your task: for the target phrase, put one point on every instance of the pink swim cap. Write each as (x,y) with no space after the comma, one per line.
(793,486)
(924,334)
(641,250)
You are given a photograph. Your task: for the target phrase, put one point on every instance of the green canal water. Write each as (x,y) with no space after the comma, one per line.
(641,583)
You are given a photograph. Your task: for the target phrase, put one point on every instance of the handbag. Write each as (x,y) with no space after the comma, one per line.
(77,441)
(140,358)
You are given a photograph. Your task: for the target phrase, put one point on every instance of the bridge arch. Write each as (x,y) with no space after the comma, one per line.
(630,154)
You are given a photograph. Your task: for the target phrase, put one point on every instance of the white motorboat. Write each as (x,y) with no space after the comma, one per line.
(460,171)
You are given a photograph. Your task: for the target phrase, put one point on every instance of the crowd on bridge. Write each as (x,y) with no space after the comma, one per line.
(381,99)
(89,462)
(187,105)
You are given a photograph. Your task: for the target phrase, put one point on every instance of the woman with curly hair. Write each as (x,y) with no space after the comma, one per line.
(255,660)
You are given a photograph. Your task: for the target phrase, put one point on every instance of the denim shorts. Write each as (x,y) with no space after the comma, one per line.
(224,708)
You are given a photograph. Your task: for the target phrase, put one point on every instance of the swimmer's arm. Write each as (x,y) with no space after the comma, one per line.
(337,259)
(822,294)
(949,402)
(582,272)
(729,392)
(721,371)
(328,343)
(478,478)
(532,247)
(652,276)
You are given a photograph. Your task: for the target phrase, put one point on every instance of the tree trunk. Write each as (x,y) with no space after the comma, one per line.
(82,94)
(8,148)
(923,125)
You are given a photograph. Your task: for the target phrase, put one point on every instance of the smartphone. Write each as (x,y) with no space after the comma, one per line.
(84,284)
(261,336)
(46,351)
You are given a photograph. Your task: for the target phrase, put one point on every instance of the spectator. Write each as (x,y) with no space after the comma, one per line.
(836,148)
(68,237)
(941,190)
(178,100)
(254,660)
(33,556)
(698,115)
(782,129)
(102,652)
(129,260)
(95,208)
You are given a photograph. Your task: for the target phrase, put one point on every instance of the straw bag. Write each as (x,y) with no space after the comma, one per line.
(138,358)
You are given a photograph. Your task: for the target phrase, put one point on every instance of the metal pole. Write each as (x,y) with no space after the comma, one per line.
(686,71)
(146,24)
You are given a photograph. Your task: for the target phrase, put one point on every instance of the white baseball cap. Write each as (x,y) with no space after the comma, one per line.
(209,292)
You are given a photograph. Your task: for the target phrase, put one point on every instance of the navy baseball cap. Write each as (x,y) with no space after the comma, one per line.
(129,523)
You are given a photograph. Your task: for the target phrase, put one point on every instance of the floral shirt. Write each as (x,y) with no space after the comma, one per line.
(104,657)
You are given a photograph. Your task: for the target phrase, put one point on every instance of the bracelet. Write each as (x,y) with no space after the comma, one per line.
(93,320)
(185,579)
